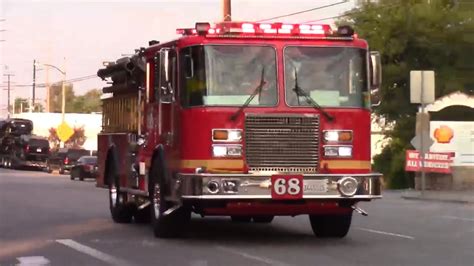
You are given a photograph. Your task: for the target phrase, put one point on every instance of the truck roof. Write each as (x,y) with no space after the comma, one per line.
(252,32)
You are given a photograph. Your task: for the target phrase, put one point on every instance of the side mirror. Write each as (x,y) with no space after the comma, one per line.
(166,90)
(375,78)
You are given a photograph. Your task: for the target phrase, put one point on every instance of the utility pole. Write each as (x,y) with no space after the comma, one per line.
(63,89)
(8,89)
(2,20)
(226,10)
(47,91)
(32,106)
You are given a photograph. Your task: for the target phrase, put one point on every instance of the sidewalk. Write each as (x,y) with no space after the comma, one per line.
(464,196)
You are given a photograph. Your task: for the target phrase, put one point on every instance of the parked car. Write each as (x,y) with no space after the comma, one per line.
(64,158)
(85,167)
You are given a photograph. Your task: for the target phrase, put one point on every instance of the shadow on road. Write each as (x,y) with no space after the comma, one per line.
(213,230)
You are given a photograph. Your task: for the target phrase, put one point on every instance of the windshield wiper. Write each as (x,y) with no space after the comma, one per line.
(300,92)
(257,90)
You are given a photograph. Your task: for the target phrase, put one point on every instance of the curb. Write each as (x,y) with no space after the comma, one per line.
(438,200)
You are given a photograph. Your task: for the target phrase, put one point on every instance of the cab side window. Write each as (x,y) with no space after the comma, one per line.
(193,76)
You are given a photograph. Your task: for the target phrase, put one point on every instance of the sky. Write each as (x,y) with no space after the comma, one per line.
(77,36)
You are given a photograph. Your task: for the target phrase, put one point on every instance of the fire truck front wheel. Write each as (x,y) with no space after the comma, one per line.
(241,219)
(263,219)
(331,226)
(164,224)
(121,211)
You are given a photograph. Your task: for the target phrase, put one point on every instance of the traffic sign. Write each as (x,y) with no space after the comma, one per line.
(422,87)
(427,142)
(422,130)
(64,132)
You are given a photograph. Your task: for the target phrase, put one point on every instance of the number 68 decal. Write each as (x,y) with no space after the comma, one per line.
(287,187)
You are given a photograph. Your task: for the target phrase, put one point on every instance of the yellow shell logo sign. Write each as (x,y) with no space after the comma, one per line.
(443,134)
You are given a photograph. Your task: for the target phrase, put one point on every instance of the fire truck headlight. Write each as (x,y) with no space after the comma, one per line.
(345,151)
(219,151)
(344,136)
(338,151)
(226,150)
(331,136)
(235,135)
(227,135)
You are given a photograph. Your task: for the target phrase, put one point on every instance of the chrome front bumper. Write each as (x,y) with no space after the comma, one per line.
(258,186)
(35,164)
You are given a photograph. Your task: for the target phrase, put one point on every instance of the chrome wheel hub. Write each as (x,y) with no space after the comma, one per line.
(156,200)
(113,195)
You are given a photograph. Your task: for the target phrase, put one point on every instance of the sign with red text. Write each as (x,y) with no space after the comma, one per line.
(435,162)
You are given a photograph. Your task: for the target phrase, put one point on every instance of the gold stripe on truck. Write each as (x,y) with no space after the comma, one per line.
(213,164)
(346,164)
(239,164)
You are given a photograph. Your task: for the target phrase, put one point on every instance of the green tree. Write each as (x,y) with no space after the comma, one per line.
(414,35)
(89,102)
(21,105)
(55,97)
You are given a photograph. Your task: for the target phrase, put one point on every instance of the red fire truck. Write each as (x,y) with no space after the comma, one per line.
(247,120)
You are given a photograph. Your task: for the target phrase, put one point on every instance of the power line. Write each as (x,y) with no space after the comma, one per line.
(78,79)
(333,17)
(348,13)
(305,11)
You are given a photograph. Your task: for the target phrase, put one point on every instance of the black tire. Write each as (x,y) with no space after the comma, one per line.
(264,219)
(331,226)
(142,216)
(48,169)
(241,219)
(119,209)
(170,225)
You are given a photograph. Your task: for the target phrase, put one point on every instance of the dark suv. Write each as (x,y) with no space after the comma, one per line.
(64,159)
(19,148)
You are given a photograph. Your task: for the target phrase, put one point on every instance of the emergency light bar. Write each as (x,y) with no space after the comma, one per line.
(251,28)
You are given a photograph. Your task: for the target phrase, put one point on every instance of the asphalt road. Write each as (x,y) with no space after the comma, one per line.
(50,220)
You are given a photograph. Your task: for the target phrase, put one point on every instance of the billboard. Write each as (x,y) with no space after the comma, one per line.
(456,137)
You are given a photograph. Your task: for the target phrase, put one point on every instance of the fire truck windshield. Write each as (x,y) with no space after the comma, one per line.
(227,75)
(331,76)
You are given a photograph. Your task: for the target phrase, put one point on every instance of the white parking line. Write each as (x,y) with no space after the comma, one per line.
(458,218)
(252,257)
(92,252)
(385,233)
(33,261)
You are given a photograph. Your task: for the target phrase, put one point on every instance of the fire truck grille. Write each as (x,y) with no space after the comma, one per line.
(282,143)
